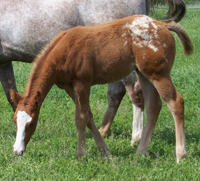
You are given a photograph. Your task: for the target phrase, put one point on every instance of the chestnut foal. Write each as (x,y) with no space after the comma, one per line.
(84,56)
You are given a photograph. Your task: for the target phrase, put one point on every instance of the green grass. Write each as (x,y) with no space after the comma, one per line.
(50,154)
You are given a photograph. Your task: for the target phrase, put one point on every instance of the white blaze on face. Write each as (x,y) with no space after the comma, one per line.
(22,119)
(143,35)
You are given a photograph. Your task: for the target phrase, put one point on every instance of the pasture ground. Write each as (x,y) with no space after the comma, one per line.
(50,154)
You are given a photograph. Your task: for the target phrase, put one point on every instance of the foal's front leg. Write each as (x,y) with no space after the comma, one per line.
(83,117)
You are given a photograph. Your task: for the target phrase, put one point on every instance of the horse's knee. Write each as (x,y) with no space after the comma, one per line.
(81,121)
(177,105)
(136,95)
(83,118)
(180,100)
(180,104)
(10,100)
(116,92)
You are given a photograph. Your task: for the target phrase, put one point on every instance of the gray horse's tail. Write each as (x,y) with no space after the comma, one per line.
(177,9)
(183,37)
(176,12)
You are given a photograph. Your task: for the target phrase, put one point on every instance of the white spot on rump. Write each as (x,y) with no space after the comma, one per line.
(22,119)
(125,43)
(142,33)
(153,47)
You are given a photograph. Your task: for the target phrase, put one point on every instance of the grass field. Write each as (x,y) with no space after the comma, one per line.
(50,154)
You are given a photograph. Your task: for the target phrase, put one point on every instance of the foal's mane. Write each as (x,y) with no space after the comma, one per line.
(40,59)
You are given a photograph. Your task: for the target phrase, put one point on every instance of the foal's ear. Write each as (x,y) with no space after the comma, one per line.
(15,96)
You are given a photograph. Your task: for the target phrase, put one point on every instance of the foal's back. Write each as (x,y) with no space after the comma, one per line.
(94,51)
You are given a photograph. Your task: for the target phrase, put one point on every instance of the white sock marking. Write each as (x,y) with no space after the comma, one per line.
(137,124)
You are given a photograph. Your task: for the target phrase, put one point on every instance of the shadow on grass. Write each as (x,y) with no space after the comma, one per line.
(162,143)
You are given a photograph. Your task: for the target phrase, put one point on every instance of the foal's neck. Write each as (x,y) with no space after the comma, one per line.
(44,73)
(42,79)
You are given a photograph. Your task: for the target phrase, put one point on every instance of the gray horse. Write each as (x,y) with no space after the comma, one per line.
(27,25)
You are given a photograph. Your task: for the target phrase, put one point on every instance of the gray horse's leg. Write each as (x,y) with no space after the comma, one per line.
(134,89)
(116,92)
(7,79)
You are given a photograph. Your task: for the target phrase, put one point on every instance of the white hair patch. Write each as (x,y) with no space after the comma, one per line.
(22,119)
(143,31)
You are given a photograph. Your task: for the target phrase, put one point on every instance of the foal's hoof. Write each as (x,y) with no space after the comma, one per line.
(19,153)
(79,155)
(135,140)
(104,152)
(181,156)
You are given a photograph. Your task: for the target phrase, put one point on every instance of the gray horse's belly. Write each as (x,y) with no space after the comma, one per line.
(23,45)
(29,25)
(10,52)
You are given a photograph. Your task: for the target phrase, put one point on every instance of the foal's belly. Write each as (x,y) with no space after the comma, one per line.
(113,73)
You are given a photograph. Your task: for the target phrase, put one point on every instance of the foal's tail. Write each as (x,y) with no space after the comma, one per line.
(183,37)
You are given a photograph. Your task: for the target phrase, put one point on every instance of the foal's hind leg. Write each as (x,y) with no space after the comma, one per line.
(175,104)
(116,92)
(153,106)
(83,117)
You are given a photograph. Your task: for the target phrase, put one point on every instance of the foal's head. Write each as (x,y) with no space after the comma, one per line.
(25,118)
